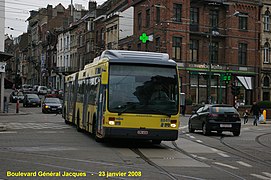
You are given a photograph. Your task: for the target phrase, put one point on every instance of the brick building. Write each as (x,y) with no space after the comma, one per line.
(207,39)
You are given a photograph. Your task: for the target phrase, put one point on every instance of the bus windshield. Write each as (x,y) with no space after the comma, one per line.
(143,89)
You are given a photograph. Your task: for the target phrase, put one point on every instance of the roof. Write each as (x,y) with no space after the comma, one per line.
(140,57)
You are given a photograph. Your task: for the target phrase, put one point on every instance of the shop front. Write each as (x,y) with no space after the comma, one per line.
(228,85)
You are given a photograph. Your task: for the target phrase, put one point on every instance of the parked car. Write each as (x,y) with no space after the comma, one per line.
(35,88)
(42,90)
(16,95)
(215,117)
(26,88)
(31,100)
(51,105)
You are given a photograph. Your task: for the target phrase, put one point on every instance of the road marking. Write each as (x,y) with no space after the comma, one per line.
(243,163)
(36,126)
(199,141)
(267,174)
(199,157)
(226,165)
(183,127)
(213,149)
(223,154)
(8,132)
(260,176)
(192,137)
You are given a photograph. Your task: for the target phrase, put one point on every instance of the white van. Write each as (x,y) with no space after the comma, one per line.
(42,90)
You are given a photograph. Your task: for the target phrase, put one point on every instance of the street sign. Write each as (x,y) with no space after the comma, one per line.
(2,67)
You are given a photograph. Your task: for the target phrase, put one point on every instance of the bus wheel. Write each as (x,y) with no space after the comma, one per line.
(156,141)
(78,123)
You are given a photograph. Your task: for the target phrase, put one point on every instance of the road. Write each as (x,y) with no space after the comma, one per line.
(42,146)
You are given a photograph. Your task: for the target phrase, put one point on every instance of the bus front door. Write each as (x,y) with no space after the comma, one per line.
(101,109)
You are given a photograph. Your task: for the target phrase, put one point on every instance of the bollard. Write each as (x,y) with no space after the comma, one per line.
(5,105)
(264,117)
(17,106)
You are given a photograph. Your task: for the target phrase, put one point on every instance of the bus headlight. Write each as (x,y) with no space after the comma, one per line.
(173,123)
(111,122)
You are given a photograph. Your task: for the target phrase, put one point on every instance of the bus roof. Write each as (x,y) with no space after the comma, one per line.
(137,57)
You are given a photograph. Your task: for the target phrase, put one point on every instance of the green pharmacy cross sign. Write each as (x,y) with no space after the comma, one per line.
(226,77)
(144,38)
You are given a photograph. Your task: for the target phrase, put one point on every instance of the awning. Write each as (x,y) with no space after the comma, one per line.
(246,82)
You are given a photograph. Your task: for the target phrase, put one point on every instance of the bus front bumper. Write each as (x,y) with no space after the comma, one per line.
(144,134)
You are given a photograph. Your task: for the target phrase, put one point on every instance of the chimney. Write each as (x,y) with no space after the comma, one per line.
(92,5)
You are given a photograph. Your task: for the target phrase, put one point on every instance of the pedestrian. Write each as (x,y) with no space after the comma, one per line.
(255,109)
(246,116)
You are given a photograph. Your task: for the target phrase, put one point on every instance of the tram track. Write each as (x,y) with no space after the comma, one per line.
(238,152)
(244,154)
(146,159)
(257,139)
(180,150)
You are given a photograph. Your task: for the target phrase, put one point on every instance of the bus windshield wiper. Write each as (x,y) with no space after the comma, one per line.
(126,107)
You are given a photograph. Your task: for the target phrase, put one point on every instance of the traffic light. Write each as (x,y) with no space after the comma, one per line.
(235,90)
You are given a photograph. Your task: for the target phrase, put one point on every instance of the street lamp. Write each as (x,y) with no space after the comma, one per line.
(214,33)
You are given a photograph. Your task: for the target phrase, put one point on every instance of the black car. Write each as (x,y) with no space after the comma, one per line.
(31,100)
(51,105)
(215,117)
(16,95)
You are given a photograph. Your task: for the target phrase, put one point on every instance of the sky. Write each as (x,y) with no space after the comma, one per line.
(17,12)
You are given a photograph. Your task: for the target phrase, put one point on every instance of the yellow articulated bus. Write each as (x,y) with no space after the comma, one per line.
(125,94)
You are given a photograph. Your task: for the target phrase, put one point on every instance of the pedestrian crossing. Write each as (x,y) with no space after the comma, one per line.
(16,126)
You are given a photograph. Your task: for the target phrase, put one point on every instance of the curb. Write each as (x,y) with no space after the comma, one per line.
(13,114)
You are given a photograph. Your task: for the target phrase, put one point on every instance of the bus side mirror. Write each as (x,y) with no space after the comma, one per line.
(104,78)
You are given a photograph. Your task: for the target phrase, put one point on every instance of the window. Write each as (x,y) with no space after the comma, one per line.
(157,44)
(267,20)
(102,34)
(243,22)
(139,21)
(266,81)
(266,23)
(266,53)
(177,9)
(194,16)
(266,96)
(194,50)
(176,48)
(242,54)
(214,52)
(158,14)
(148,18)
(213,19)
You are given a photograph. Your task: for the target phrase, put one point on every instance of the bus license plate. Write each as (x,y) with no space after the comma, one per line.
(141,132)
(225,125)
